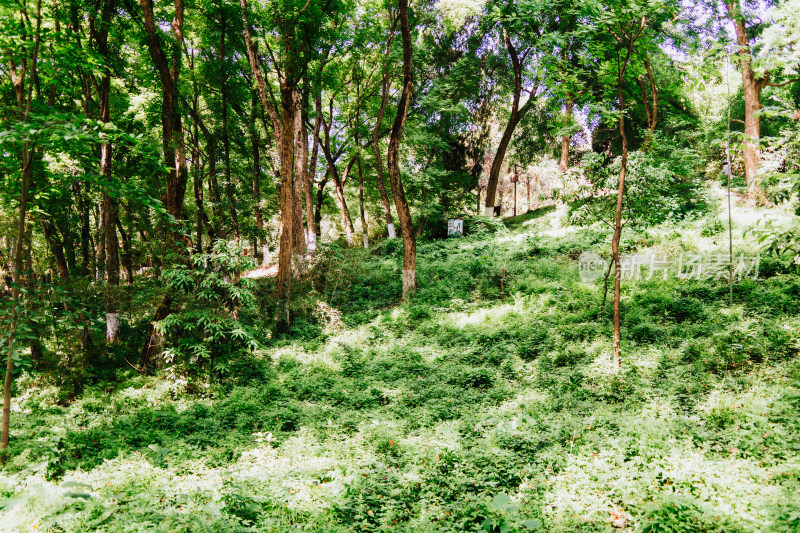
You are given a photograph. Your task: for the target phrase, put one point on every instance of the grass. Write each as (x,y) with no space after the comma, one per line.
(486,402)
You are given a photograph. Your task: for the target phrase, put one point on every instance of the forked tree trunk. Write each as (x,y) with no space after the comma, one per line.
(617,355)
(338,182)
(517,113)
(393,158)
(283,126)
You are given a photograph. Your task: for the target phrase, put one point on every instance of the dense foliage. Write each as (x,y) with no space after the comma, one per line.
(235,294)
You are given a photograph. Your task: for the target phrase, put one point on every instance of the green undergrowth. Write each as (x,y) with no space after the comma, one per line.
(485,402)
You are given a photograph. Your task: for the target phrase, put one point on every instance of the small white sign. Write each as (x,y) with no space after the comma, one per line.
(455,227)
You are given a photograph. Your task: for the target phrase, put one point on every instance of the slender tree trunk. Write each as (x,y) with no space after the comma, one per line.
(650,103)
(364,228)
(320,199)
(24,109)
(565,139)
(126,255)
(256,182)
(308,184)
(617,356)
(517,113)
(393,159)
(226,144)
(387,210)
(300,175)
(338,183)
(109,209)
(56,247)
(83,214)
(100,242)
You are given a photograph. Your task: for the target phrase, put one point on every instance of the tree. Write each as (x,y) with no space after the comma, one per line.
(756,75)
(393,155)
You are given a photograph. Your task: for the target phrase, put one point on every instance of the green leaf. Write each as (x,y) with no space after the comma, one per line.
(501,501)
(532,524)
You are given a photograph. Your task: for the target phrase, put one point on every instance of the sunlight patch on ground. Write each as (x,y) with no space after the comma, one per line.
(324,358)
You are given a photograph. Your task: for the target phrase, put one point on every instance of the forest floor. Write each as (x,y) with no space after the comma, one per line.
(487,402)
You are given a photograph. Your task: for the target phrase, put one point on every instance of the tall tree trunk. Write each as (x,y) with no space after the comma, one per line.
(393,158)
(283,126)
(631,40)
(109,209)
(308,184)
(256,181)
(100,242)
(517,113)
(752,86)
(126,255)
(56,247)
(565,139)
(226,144)
(376,148)
(24,110)
(300,175)
(172,137)
(286,154)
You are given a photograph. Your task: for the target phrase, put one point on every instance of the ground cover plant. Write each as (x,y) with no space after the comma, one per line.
(486,402)
(400,265)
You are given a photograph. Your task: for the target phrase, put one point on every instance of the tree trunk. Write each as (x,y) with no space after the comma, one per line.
(752,103)
(300,175)
(171,136)
(617,356)
(24,109)
(393,158)
(320,199)
(226,144)
(565,139)
(56,247)
(286,153)
(109,209)
(517,113)
(347,224)
(308,184)
(650,107)
(126,255)
(254,143)
(364,228)
(387,210)
(83,214)
(100,242)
